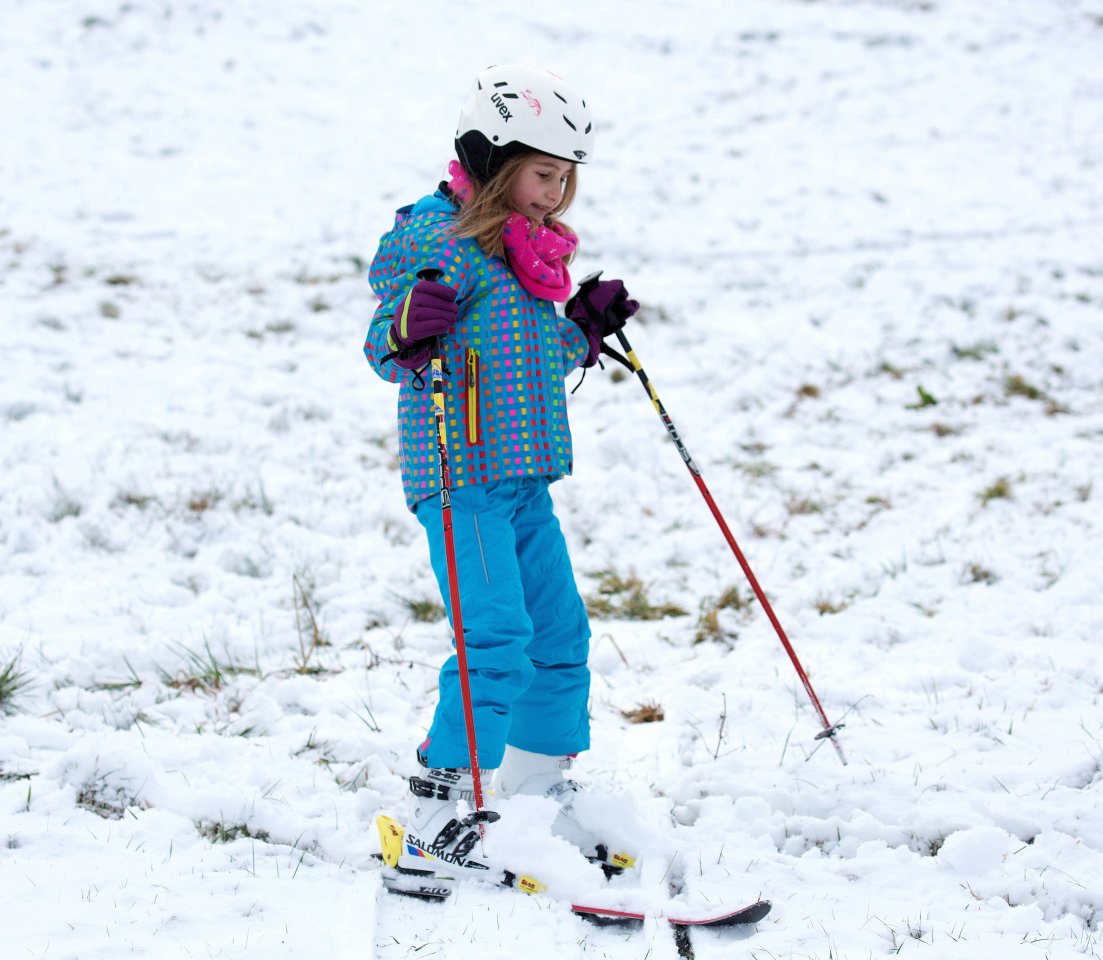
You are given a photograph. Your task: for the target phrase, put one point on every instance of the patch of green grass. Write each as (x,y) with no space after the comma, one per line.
(201,671)
(966,305)
(223,832)
(825,605)
(757,469)
(311,635)
(133,682)
(424,609)
(800,506)
(710,626)
(999,490)
(105,799)
(1016,385)
(359,264)
(626,598)
(976,351)
(65,505)
(255,498)
(14,681)
(977,573)
(926,399)
(200,501)
(944,430)
(131,498)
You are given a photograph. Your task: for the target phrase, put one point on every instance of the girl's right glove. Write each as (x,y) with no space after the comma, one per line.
(600,307)
(427,311)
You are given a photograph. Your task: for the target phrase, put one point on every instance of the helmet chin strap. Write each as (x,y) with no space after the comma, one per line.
(476,163)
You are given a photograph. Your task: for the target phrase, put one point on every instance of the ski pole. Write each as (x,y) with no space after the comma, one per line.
(829,730)
(436,368)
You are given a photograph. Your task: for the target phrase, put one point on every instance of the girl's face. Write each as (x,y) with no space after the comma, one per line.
(538,186)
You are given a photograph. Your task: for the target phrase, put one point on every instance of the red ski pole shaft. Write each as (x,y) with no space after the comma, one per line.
(436,369)
(829,729)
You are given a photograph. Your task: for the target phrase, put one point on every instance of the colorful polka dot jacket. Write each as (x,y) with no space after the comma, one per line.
(507,357)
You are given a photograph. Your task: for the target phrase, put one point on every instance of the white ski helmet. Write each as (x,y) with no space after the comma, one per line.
(513,109)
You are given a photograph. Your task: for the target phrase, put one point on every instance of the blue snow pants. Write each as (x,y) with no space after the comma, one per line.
(525,627)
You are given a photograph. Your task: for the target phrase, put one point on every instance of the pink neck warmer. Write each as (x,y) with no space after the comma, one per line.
(535,254)
(460,184)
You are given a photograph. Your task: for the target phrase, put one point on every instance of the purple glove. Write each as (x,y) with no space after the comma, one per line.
(600,307)
(427,311)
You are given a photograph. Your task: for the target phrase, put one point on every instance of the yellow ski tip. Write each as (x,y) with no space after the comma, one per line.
(623,860)
(390,838)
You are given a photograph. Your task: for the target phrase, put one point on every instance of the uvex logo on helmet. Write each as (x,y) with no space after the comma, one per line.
(498,99)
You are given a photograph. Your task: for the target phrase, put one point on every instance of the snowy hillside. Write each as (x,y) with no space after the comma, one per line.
(867,238)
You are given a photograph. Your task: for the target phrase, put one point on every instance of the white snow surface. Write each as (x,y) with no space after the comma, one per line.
(866,235)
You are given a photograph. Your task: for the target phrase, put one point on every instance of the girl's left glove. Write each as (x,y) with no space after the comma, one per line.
(427,311)
(600,308)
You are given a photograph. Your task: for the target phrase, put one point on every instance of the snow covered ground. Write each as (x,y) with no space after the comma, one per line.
(867,237)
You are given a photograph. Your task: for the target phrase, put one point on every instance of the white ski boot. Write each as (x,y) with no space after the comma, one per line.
(439,844)
(537,774)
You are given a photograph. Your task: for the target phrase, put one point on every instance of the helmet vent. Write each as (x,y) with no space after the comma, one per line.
(569,124)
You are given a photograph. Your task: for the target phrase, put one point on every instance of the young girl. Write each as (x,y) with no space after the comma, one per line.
(494,234)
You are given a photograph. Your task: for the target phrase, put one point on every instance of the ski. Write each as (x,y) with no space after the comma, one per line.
(724,917)
(429,885)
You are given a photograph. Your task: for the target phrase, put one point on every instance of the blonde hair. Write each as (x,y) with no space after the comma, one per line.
(486,210)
